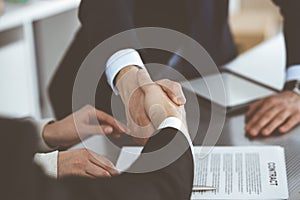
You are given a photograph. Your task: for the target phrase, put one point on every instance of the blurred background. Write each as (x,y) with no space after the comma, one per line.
(34,35)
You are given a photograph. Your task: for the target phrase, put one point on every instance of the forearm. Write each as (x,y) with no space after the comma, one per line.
(42,144)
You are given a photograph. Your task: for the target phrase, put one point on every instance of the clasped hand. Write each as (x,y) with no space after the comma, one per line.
(148,103)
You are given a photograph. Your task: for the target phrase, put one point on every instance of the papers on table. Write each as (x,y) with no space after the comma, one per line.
(241,172)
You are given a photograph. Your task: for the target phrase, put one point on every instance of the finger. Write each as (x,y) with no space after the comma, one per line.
(99,129)
(96,171)
(253,107)
(116,135)
(266,118)
(86,174)
(257,115)
(276,122)
(173,90)
(291,123)
(102,116)
(103,162)
(144,79)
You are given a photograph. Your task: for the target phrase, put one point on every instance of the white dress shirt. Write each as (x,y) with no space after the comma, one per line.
(293,73)
(47,161)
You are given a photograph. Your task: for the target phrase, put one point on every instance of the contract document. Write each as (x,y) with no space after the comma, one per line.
(241,172)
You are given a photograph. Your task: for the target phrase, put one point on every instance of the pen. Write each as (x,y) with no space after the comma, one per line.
(203,188)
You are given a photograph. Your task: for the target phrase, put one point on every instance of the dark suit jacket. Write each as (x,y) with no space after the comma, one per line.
(203,20)
(21,179)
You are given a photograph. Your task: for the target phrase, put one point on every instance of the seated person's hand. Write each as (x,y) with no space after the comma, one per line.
(278,112)
(65,133)
(134,99)
(83,162)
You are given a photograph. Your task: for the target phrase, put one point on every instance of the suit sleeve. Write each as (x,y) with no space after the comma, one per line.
(99,21)
(290,12)
(173,181)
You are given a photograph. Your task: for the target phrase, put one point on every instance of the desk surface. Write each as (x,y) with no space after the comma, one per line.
(233,134)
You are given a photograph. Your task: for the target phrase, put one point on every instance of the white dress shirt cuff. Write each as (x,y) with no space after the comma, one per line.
(40,125)
(174,122)
(293,73)
(120,60)
(48,162)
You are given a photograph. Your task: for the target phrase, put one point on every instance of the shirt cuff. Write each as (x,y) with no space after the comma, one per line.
(40,125)
(174,122)
(293,73)
(48,162)
(120,60)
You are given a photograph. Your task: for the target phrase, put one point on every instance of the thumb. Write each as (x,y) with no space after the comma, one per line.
(144,80)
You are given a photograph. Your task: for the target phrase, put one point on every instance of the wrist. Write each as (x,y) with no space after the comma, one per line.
(50,134)
(159,114)
(123,71)
(126,82)
(293,86)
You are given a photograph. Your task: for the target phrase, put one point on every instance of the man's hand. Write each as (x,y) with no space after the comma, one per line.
(133,98)
(83,162)
(157,104)
(86,122)
(280,111)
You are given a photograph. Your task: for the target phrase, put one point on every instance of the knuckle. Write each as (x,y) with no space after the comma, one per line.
(298,111)
(106,174)
(109,164)
(281,105)
(177,85)
(164,80)
(290,124)
(174,85)
(281,118)
(297,118)
(89,155)
(83,151)
(260,123)
(270,101)
(79,163)
(252,106)
(88,106)
(268,116)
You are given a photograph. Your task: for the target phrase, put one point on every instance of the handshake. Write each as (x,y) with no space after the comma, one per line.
(147,105)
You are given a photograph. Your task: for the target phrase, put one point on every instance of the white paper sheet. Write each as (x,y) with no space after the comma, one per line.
(241,172)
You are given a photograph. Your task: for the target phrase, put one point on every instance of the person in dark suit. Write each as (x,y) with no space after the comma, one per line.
(173,180)
(206,21)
